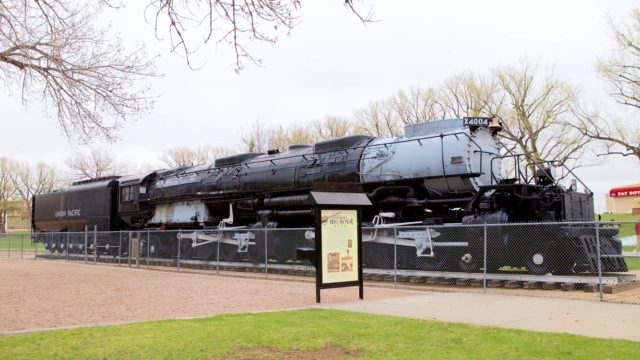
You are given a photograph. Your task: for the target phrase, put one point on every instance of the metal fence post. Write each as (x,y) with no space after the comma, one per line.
(148,248)
(86,241)
(395,256)
(21,246)
(66,254)
(9,238)
(218,255)
(266,258)
(139,253)
(95,244)
(119,247)
(179,247)
(51,249)
(484,251)
(597,224)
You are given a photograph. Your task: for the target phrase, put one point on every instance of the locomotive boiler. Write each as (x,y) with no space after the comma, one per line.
(441,174)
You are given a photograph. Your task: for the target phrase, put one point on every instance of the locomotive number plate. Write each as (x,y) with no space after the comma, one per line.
(476,121)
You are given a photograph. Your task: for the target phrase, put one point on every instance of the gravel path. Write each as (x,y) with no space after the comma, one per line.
(49,294)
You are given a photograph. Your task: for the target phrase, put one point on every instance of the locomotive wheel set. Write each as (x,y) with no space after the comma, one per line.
(432,191)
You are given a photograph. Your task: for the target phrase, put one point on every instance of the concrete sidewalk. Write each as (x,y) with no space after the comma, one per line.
(603,320)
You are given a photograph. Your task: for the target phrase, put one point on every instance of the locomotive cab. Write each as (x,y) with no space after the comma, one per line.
(133,199)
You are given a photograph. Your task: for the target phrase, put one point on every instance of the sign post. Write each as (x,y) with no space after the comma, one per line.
(338,240)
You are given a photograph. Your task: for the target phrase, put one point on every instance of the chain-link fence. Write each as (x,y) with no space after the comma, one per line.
(600,259)
(18,245)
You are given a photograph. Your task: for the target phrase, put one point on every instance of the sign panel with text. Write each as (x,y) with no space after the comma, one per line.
(339,244)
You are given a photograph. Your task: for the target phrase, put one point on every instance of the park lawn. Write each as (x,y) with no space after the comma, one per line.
(625,229)
(367,336)
(632,263)
(15,240)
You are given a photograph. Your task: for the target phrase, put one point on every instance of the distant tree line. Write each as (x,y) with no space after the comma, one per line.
(22,181)
(543,116)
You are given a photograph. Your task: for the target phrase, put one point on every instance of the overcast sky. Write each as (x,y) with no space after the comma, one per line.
(332,64)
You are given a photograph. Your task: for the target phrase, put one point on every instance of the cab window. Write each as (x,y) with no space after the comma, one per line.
(126,193)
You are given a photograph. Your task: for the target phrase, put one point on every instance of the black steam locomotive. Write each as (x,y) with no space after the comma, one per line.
(440,174)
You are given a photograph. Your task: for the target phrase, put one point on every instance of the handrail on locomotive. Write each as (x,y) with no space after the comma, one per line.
(543,169)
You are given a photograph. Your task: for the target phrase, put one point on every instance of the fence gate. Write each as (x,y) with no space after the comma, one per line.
(134,248)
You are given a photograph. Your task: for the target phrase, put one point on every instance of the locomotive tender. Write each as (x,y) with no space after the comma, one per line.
(439,174)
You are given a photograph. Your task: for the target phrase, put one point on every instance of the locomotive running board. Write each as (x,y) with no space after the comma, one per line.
(240,239)
(420,239)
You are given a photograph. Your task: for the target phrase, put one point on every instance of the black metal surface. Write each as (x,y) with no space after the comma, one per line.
(307,253)
(87,204)
(277,188)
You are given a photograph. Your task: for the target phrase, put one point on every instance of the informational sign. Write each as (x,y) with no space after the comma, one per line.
(339,229)
(337,255)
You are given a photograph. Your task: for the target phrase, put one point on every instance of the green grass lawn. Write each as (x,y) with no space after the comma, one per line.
(368,336)
(633,263)
(625,229)
(14,240)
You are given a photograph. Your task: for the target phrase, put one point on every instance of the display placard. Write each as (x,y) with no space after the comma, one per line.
(339,229)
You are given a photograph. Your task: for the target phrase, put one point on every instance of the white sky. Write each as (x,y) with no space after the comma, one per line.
(332,64)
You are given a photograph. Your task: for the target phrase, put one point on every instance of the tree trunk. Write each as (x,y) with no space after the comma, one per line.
(4,226)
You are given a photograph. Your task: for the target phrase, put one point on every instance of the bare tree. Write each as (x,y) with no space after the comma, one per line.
(7,190)
(257,138)
(622,69)
(146,168)
(300,134)
(618,137)
(277,137)
(620,134)
(30,180)
(537,115)
(332,127)
(262,138)
(51,51)
(184,156)
(94,164)
(281,137)
(236,23)
(417,105)
(469,95)
(378,119)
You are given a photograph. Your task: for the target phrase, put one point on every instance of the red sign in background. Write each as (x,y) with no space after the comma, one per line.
(625,191)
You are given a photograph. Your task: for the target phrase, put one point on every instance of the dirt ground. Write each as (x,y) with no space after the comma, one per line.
(43,294)
(37,295)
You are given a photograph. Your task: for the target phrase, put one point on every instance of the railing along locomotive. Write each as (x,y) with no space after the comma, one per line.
(442,172)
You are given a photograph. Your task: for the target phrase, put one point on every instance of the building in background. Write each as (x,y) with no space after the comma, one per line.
(624,199)
(13,212)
